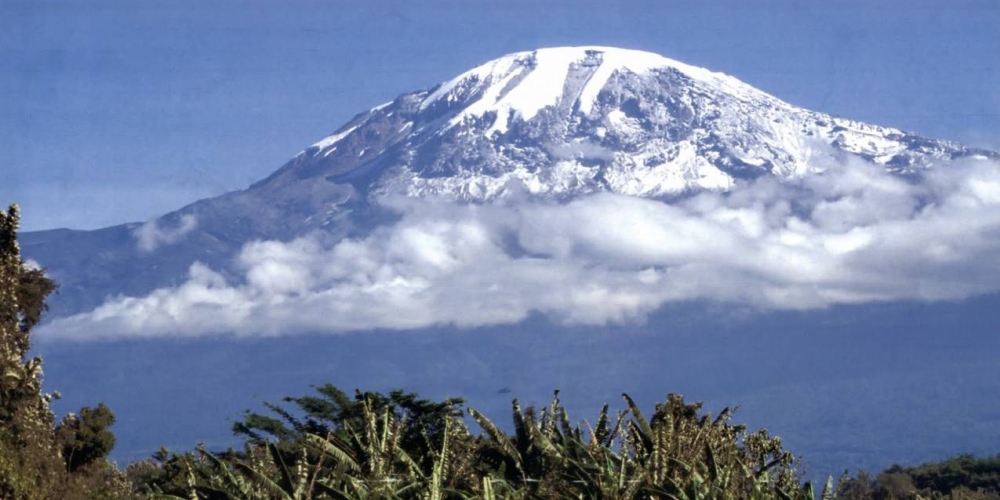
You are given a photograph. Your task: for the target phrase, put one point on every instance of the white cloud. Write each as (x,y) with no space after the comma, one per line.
(31,264)
(150,235)
(852,234)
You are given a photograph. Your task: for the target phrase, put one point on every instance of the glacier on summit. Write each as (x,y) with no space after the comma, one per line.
(632,123)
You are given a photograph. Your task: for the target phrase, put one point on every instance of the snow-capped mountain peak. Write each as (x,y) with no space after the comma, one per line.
(555,123)
(523,83)
(571,120)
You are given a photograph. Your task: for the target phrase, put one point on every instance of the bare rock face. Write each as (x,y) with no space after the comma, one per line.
(552,123)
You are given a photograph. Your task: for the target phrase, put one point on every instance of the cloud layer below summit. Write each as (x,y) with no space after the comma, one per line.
(852,234)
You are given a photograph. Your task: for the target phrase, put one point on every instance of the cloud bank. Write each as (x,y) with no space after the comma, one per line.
(150,235)
(852,234)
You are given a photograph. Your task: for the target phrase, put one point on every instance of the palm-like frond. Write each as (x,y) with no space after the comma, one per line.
(499,439)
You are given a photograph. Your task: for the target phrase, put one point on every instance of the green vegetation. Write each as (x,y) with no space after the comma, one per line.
(34,463)
(964,477)
(399,446)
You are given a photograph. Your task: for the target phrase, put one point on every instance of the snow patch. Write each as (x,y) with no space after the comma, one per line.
(333,139)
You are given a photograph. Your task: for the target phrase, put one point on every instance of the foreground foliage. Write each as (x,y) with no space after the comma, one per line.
(398,446)
(37,459)
(964,477)
(337,447)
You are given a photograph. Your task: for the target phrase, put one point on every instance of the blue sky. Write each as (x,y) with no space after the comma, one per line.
(117,110)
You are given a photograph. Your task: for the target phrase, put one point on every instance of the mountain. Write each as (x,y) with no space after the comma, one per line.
(852,382)
(554,123)
(563,122)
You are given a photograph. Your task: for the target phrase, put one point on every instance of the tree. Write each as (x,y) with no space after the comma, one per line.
(32,465)
(333,411)
(338,447)
(85,439)
(29,459)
